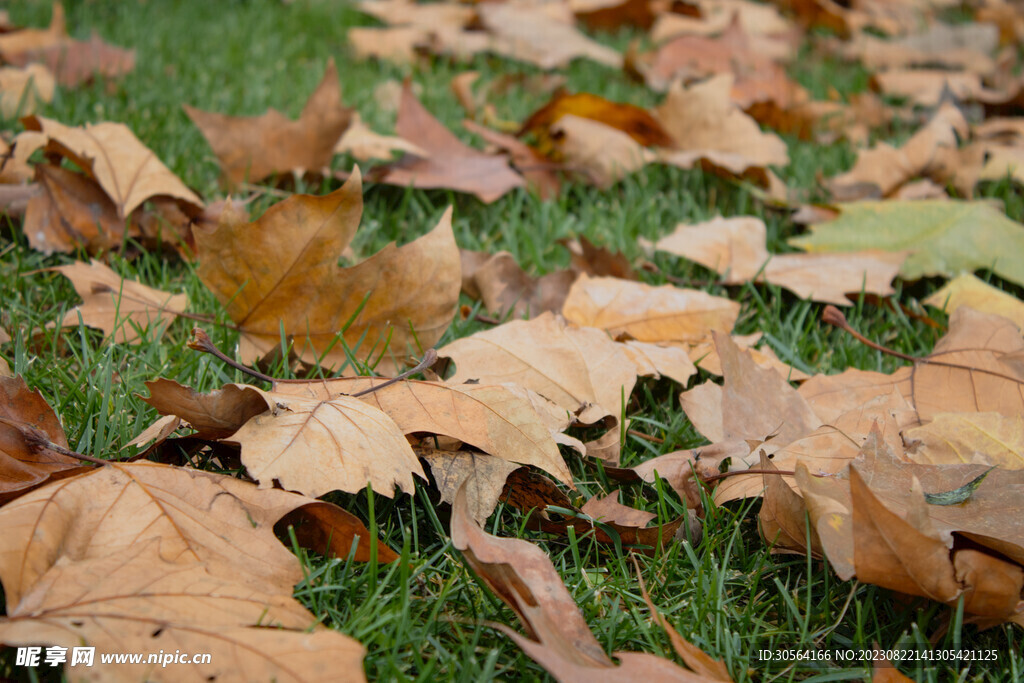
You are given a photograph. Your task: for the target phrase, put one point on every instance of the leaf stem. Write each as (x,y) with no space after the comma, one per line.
(201,341)
(733,473)
(38,441)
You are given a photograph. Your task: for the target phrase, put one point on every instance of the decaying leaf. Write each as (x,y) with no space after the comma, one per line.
(736,248)
(646,313)
(492,418)
(281,272)
(708,127)
(22,90)
(255,148)
(214,415)
(449,163)
(124,309)
(316,446)
(75,62)
(967,290)
(23,467)
(484,476)
(578,368)
(558,638)
(111,154)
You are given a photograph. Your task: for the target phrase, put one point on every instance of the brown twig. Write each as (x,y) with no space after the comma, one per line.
(733,473)
(38,441)
(201,341)
(645,437)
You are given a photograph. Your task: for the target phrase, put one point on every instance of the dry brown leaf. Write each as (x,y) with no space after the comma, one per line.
(69,212)
(575,367)
(124,309)
(449,163)
(883,169)
(635,122)
(707,126)
(655,360)
(23,467)
(877,525)
(111,154)
(705,356)
(982,346)
(736,248)
(955,47)
(255,148)
(136,599)
(506,289)
(966,438)
(609,509)
(214,415)
(75,62)
(646,313)
(23,89)
(281,271)
(539,173)
(603,154)
(15,42)
(831,396)
(316,446)
(225,524)
(703,407)
(526,32)
(558,638)
(14,157)
(782,519)
(484,476)
(491,418)
(967,290)
(925,87)
(364,144)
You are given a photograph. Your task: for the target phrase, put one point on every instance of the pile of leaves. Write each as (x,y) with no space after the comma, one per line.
(907,480)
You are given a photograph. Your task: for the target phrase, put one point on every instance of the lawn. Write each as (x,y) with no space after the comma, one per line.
(425,617)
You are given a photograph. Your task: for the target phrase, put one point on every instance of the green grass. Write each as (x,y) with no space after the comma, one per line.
(420,619)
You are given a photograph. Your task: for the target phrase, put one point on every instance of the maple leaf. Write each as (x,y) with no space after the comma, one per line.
(449,163)
(492,418)
(111,154)
(124,309)
(23,467)
(575,367)
(504,287)
(281,271)
(214,415)
(15,42)
(737,249)
(707,126)
(558,638)
(946,237)
(647,313)
(255,148)
(136,599)
(967,290)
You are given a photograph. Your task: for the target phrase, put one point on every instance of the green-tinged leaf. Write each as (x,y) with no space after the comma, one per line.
(947,237)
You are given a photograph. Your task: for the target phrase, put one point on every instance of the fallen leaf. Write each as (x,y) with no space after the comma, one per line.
(782,519)
(601,153)
(135,598)
(449,163)
(931,153)
(484,476)
(969,438)
(491,418)
(635,122)
(71,211)
(925,87)
(646,313)
(125,310)
(75,62)
(364,144)
(736,248)
(946,237)
(22,90)
(575,367)
(26,39)
(222,523)
(23,467)
(215,414)
(609,509)
(707,126)
(540,175)
(967,290)
(316,446)
(281,272)
(655,360)
(507,290)
(255,148)
(111,154)
(955,47)
(558,638)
